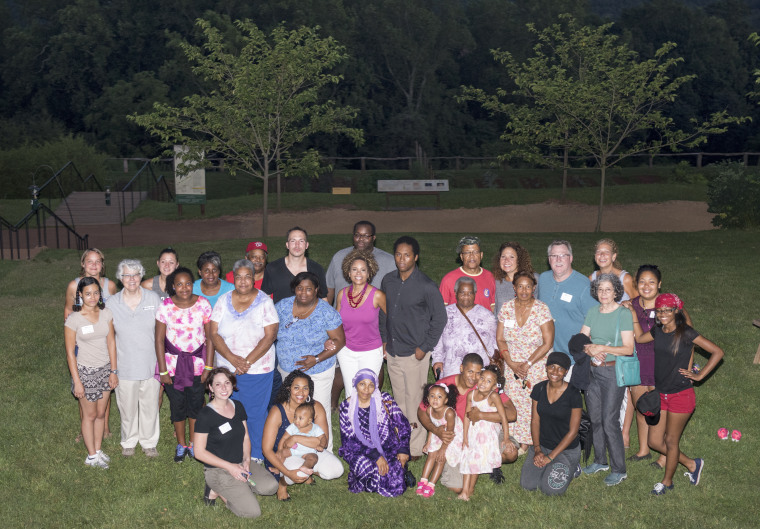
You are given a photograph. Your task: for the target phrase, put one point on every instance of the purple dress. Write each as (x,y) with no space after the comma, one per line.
(645,351)
(394,432)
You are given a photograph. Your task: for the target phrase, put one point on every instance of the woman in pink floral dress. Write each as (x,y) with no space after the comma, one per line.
(182,339)
(525,334)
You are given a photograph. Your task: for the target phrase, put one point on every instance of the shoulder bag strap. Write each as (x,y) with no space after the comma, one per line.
(474,329)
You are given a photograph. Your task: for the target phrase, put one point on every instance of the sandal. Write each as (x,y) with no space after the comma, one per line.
(206,493)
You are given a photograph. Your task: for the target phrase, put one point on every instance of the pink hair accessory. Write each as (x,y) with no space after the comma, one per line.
(722,434)
(736,435)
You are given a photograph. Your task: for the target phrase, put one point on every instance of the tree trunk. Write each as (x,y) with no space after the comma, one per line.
(265,205)
(279,188)
(564,168)
(603,167)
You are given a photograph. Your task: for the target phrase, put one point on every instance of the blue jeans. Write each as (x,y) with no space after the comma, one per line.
(603,399)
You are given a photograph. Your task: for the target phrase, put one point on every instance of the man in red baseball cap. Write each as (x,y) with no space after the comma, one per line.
(256,252)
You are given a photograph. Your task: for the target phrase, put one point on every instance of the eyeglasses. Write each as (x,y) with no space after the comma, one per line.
(130,276)
(558,256)
(605,290)
(471,253)
(362,236)
(667,310)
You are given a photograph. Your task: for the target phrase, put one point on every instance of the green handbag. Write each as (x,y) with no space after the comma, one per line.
(627,368)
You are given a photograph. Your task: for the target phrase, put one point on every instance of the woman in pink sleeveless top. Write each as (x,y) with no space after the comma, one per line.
(359,305)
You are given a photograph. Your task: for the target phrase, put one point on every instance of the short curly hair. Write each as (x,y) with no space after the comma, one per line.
(613,280)
(359,255)
(451,393)
(523,260)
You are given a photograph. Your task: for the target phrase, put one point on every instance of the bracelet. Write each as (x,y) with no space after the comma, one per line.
(164,373)
(208,368)
(529,363)
(316,357)
(550,459)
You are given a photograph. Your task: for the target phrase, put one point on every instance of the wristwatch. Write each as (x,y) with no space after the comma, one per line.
(115,371)
(529,363)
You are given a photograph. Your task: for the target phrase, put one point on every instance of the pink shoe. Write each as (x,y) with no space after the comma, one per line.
(736,435)
(723,433)
(428,490)
(421,487)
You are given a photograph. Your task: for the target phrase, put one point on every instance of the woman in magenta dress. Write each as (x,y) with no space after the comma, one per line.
(375,438)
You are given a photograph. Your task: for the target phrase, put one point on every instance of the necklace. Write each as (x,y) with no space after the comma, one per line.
(302,315)
(355,302)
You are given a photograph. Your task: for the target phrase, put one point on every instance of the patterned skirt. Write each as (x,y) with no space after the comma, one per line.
(94,380)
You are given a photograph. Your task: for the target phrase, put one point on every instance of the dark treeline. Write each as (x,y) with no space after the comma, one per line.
(81,66)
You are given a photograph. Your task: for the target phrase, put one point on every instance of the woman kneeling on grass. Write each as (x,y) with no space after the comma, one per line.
(93,370)
(223,445)
(553,459)
(673,342)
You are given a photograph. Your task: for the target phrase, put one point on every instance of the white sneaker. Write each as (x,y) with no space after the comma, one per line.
(96,462)
(102,456)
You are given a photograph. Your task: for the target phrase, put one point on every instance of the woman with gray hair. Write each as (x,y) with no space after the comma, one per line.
(610,328)
(134,321)
(244,326)
(470,328)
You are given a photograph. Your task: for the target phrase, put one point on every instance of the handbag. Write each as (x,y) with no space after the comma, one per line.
(627,368)
(496,358)
(409,480)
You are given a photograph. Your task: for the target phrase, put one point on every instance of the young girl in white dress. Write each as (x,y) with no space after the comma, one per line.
(483,441)
(441,401)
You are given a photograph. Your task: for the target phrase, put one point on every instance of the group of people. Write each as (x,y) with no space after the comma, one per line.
(510,351)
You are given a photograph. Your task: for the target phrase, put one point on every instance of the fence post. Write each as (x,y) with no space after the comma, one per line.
(745,159)
(363,164)
(651,160)
(125,163)
(458,163)
(699,160)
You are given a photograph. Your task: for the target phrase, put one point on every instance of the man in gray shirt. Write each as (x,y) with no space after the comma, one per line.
(416,318)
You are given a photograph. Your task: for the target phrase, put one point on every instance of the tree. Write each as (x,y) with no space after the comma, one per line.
(585,91)
(263,102)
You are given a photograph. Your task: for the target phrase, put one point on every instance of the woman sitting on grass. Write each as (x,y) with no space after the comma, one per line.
(673,342)
(93,371)
(223,445)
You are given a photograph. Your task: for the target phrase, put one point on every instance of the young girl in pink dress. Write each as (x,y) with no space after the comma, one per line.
(483,441)
(441,401)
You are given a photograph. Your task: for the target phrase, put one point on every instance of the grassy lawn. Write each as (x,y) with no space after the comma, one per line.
(44,482)
(458,198)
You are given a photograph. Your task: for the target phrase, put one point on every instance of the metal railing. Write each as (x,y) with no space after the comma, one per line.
(35,222)
(146,181)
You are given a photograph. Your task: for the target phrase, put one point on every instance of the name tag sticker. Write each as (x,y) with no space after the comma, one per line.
(567,298)
(88,329)
(509,324)
(151,307)
(651,314)
(225,428)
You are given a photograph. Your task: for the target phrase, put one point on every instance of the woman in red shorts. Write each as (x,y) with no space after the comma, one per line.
(673,342)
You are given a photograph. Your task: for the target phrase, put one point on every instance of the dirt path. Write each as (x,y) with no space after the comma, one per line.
(673,216)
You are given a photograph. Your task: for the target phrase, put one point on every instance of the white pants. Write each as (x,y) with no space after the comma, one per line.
(351,362)
(138,407)
(323,394)
(328,466)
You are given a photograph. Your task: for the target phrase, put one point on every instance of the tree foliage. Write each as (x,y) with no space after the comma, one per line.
(585,91)
(262,102)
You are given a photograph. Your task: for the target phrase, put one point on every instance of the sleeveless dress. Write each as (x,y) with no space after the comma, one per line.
(454,451)
(645,351)
(482,453)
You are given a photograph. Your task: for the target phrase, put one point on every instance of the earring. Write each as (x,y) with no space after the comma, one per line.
(308,398)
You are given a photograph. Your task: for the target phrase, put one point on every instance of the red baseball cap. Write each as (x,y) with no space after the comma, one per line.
(256,245)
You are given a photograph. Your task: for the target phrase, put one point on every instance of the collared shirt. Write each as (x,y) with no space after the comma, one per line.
(135,335)
(416,313)
(569,301)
